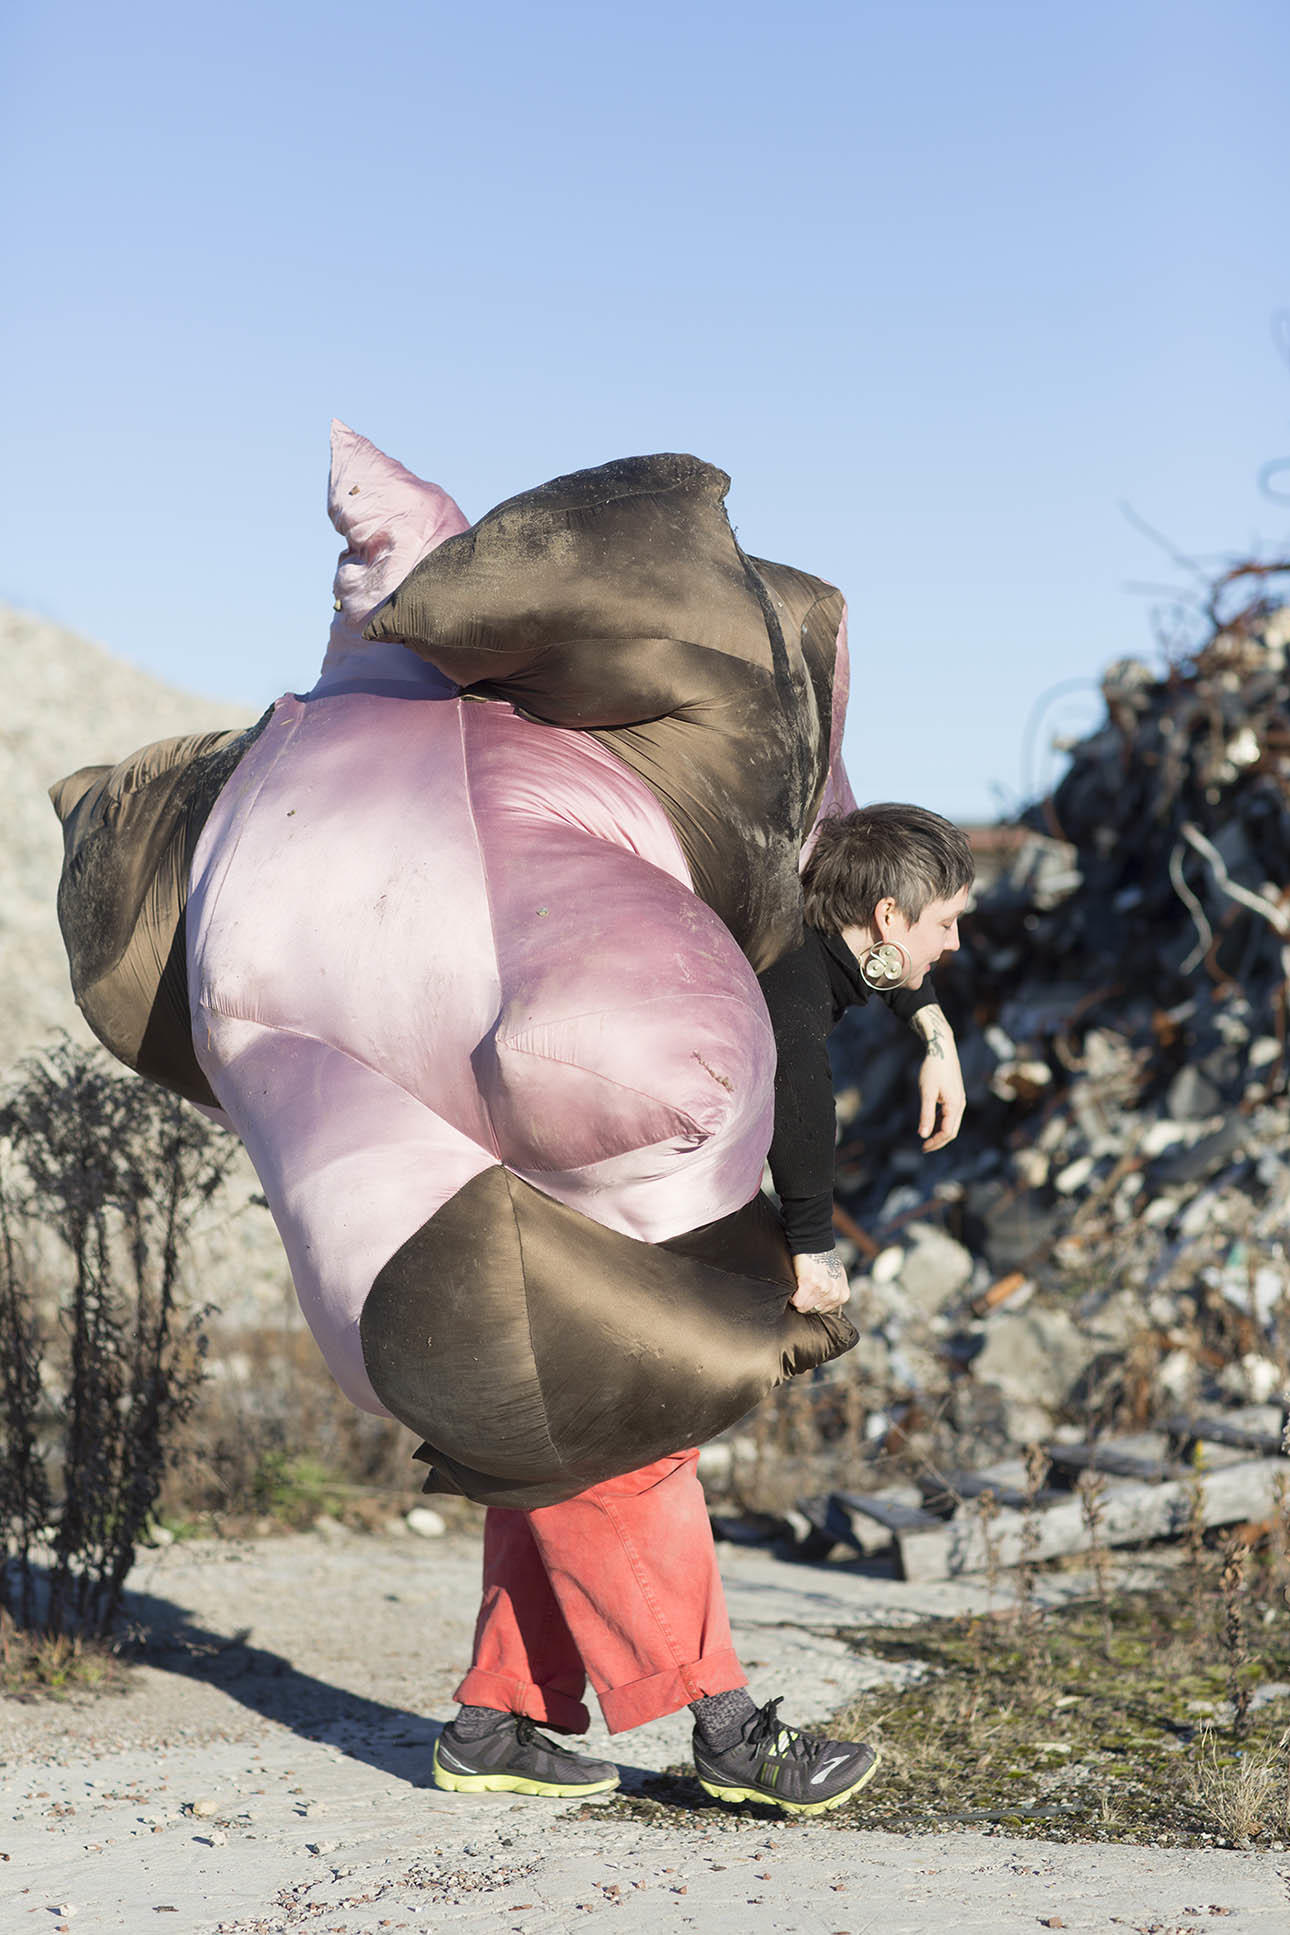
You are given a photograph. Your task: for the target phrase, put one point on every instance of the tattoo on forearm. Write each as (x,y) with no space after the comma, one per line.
(829,1261)
(931,1024)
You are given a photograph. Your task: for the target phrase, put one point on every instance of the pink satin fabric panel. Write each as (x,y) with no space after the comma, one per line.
(629,1073)
(351,1165)
(389,519)
(338,891)
(427,935)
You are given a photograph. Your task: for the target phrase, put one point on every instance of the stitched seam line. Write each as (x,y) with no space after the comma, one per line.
(528,1319)
(468,796)
(624,1088)
(650,1001)
(243,819)
(712,1656)
(305,1034)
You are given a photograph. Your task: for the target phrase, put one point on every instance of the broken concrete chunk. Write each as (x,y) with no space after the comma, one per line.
(934,1270)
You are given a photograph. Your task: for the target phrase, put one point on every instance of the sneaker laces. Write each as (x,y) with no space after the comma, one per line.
(528,1736)
(786,1743)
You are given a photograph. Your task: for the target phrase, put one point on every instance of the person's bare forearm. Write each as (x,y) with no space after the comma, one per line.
(937,1035)
(940,1080)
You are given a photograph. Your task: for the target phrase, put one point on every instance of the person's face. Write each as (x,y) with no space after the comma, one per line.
(935,932)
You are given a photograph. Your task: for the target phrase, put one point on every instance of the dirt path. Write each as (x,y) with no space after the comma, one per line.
(268,1772)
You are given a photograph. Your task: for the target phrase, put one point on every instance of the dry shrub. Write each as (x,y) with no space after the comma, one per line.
(94,1388)
(1241,1794)
(272,1437)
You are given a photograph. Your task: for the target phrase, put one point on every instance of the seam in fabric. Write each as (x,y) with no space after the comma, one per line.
(650,1001)
(563,1061)
(469,798)
(229,1013)
(243,819)
(711,1657)
(528,1320)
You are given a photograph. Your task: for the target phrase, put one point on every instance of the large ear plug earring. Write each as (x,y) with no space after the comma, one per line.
(885,965)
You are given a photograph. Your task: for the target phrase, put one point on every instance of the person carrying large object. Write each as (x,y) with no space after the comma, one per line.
(464,945)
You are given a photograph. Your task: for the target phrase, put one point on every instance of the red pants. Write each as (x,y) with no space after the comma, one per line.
(618,1585)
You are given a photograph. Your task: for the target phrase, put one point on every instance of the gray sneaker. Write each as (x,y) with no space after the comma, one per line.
(514,1758)
(802,1773)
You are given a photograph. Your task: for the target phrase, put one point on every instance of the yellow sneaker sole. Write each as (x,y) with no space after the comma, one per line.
(768,1799)
(515,1783)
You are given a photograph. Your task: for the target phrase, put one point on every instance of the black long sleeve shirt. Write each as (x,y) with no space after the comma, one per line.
(807,992)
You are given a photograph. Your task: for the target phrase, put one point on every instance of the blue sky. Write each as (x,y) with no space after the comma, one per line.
(942,286)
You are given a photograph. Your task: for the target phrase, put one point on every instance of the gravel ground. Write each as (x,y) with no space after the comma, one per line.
(268,1772)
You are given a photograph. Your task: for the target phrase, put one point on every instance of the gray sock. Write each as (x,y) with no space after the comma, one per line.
(720,1717)
(472,1723)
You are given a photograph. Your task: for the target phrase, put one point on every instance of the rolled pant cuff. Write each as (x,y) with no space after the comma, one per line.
(641,1700)
(541,1703)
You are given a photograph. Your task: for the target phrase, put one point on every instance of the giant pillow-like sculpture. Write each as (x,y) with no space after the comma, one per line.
(463,945)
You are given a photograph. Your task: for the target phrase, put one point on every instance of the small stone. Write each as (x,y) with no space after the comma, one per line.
(203,1809)
(1204,1214)
(1159,1136)
(1034,1355)
(1074,1175)
(1031,1167)
(425,1523)
(887,1265)
(1176,1376)
(1191,1098)
(1253,1379)
(1204,1158)
(935,1269)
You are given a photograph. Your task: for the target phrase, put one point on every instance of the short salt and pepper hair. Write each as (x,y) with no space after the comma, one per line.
(895,850)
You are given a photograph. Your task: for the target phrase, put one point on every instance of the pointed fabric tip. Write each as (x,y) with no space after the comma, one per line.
(389,519)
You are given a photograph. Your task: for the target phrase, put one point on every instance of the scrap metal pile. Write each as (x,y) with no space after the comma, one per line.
(1109,1238)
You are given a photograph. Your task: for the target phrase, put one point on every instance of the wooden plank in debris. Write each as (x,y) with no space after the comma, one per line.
(1222,1431)
(749,1528)
(869,1530)
(831,1523)
(1131,1513)
(894,1509)
(1113,1459)
(1007,1482)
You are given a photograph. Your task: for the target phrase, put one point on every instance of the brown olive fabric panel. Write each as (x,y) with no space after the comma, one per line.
(539,1352)
(811,612)
(618,601)
(549,596)
(129,833)
(750,1243)
(742,777)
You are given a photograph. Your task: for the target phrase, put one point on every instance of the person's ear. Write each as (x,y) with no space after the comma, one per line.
(882,916)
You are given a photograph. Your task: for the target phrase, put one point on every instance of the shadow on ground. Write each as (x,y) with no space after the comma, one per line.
(393,1740)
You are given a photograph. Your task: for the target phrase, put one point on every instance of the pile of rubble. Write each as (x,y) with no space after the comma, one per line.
(1109,1237)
